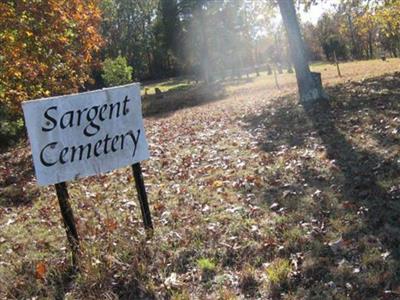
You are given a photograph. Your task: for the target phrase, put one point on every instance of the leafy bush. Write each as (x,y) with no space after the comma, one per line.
(10,127)
(116,71)
(47,48)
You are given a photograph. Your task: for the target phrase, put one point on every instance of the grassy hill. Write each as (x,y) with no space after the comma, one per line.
(252,196)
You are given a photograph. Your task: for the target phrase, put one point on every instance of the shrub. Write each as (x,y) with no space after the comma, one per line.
(11,127)
(116,71)
(47,48)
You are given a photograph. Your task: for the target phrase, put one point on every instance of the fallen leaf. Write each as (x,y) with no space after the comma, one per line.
(217,184)
(40,270)
(111,224)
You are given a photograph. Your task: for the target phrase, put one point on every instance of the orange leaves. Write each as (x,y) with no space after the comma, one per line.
(17,74)
(63,39)
(46,47)
(91,30)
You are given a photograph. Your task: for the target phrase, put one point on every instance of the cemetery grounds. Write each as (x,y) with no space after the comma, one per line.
(252,196)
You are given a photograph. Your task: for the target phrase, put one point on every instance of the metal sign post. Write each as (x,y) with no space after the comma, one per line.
(141,190)
(68,219)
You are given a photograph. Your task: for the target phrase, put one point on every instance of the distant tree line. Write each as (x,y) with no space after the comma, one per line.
(356,29)
(58,47)
(215,39)
(173,37)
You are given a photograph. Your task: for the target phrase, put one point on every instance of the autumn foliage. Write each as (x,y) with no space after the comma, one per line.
(46,47)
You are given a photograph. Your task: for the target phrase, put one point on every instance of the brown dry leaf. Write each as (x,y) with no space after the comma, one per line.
(40,270)
(217,184)
(158,206)
(111,224)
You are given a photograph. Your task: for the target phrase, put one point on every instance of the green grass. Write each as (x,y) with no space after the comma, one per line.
(205,264)
(169,85)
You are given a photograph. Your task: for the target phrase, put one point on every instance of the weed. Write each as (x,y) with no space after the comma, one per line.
(182,295)
(226,294)
(278,271)
(294,238)
(207,268)
(248,282)
(206,265)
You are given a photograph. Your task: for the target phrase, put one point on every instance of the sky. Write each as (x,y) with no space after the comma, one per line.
(312,15)
(317,10)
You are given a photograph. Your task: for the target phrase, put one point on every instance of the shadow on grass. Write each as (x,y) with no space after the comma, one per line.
(237,80)
(57,284)
(134,289)
(62,282)
(15,182)
(180,98)
(359,200)
(177,81)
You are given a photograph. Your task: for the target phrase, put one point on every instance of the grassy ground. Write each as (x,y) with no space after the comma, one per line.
(252,196)
(172,84)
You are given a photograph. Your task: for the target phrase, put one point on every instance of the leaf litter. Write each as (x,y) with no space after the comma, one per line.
(253,184)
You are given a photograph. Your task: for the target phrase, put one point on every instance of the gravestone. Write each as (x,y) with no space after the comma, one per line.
(159,94)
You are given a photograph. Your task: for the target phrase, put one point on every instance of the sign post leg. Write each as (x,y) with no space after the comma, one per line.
(141,190)
(69,221)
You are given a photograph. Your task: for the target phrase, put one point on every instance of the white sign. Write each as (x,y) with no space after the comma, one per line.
(85,134)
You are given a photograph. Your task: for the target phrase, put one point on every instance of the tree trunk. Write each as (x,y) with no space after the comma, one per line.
(310,87)
(355,48)
(370,45)
(150,64)
(204,48)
